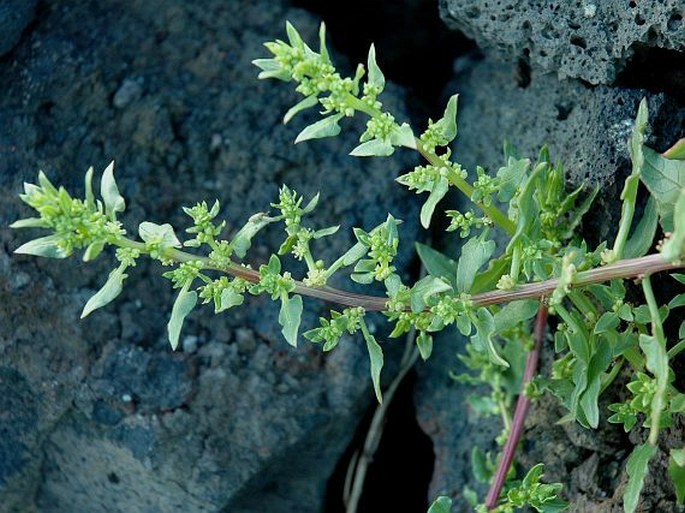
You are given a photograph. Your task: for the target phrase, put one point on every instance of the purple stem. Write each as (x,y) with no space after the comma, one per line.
(520,412)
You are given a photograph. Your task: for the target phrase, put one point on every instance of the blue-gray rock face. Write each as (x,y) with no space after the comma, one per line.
(15,15)
(586,39)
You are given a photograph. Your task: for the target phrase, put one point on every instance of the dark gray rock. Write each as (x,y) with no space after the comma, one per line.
(587,39)
(15,15)
(111,419)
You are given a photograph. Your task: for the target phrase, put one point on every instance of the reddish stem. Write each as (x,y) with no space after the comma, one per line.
(520,412)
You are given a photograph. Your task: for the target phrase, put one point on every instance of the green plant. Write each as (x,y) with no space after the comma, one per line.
(490,293)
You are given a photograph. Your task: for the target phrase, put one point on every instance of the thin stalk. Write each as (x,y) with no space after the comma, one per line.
(522,406)
(625,269)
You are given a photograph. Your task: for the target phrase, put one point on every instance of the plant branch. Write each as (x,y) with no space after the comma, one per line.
(520,412)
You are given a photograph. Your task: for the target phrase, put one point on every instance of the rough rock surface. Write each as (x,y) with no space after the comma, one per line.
(587,128)
(15,15)
(585,39)
(99,415)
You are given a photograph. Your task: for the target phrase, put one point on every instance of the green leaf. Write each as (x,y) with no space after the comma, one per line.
(665,179)
(403,136)
(607,322)
(161,234)
(325,232)
(424,289)
(44,247)
(229,299)
(323,51)
(637,468)
(510,177)
(308,102)
(674,247)
(437,264)
(438,191)
(515,313)
(109,291)
(184,304)
(93,251)
(677,302)
(474,254)
(485,330)
(293,36)
(290,317)
(271,68)
(114,202)
(30,222)
(425,344)
(354,253)
(487,280)
(639,243)
(375,360)
(90,196)
(441,505)
(677,151)
(242,240)
(657,364)
(374,148)
(448,122)
(676,470)
(376,77)
(327,127)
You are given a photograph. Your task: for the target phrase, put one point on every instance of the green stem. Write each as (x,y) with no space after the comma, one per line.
(676,349)
(628,196)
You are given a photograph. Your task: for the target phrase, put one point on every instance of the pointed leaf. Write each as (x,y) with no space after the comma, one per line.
(290,317)
(375,77)
(639,243)
(485,330)
(510,177)
(44,247)
(448,122)
(424,289)
(438,191)
(353,254)
(665,179)
(441,505)
(293,36)
(90,196)
(437,264)
(323,51)
(677,151)
(93,251)
(229,298)
(162,234)
(676,470)
(327,127)
(425,344)
(30,222)
(474,254)
(674,248)
(308,102)
(325,232)
(403,136)
(242,240)
(637,467)
(109,291)
(184,304)
(375,360)
(114,202)
(373,148)
(271,68)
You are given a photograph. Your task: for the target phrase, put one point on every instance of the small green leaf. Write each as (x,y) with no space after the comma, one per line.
(639,243)
(657,364)
(510,177)
(375,77)
(607,322)
(448,122)
(242,240)
(374,148)
(637,467)
(312,204)
(438,191)
(90,196)
(308,102)
(677,151)
(441,505)
(271,68)
(354,253)
(184,304)
(403,136)
(293,36)
(487,280)
(325,232)
(44,247)
(162,234)
(676,470)
(677,302)
(437,264)
(290,317)
(229,299)
(665,179)
(323,51)
(474,254)
(327,127)
(515,313)
(109,291)
(425,344)
(30,222)
(93,251)
(424,289)
(485,330)
(114,202)
(674,247)
(375,360)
